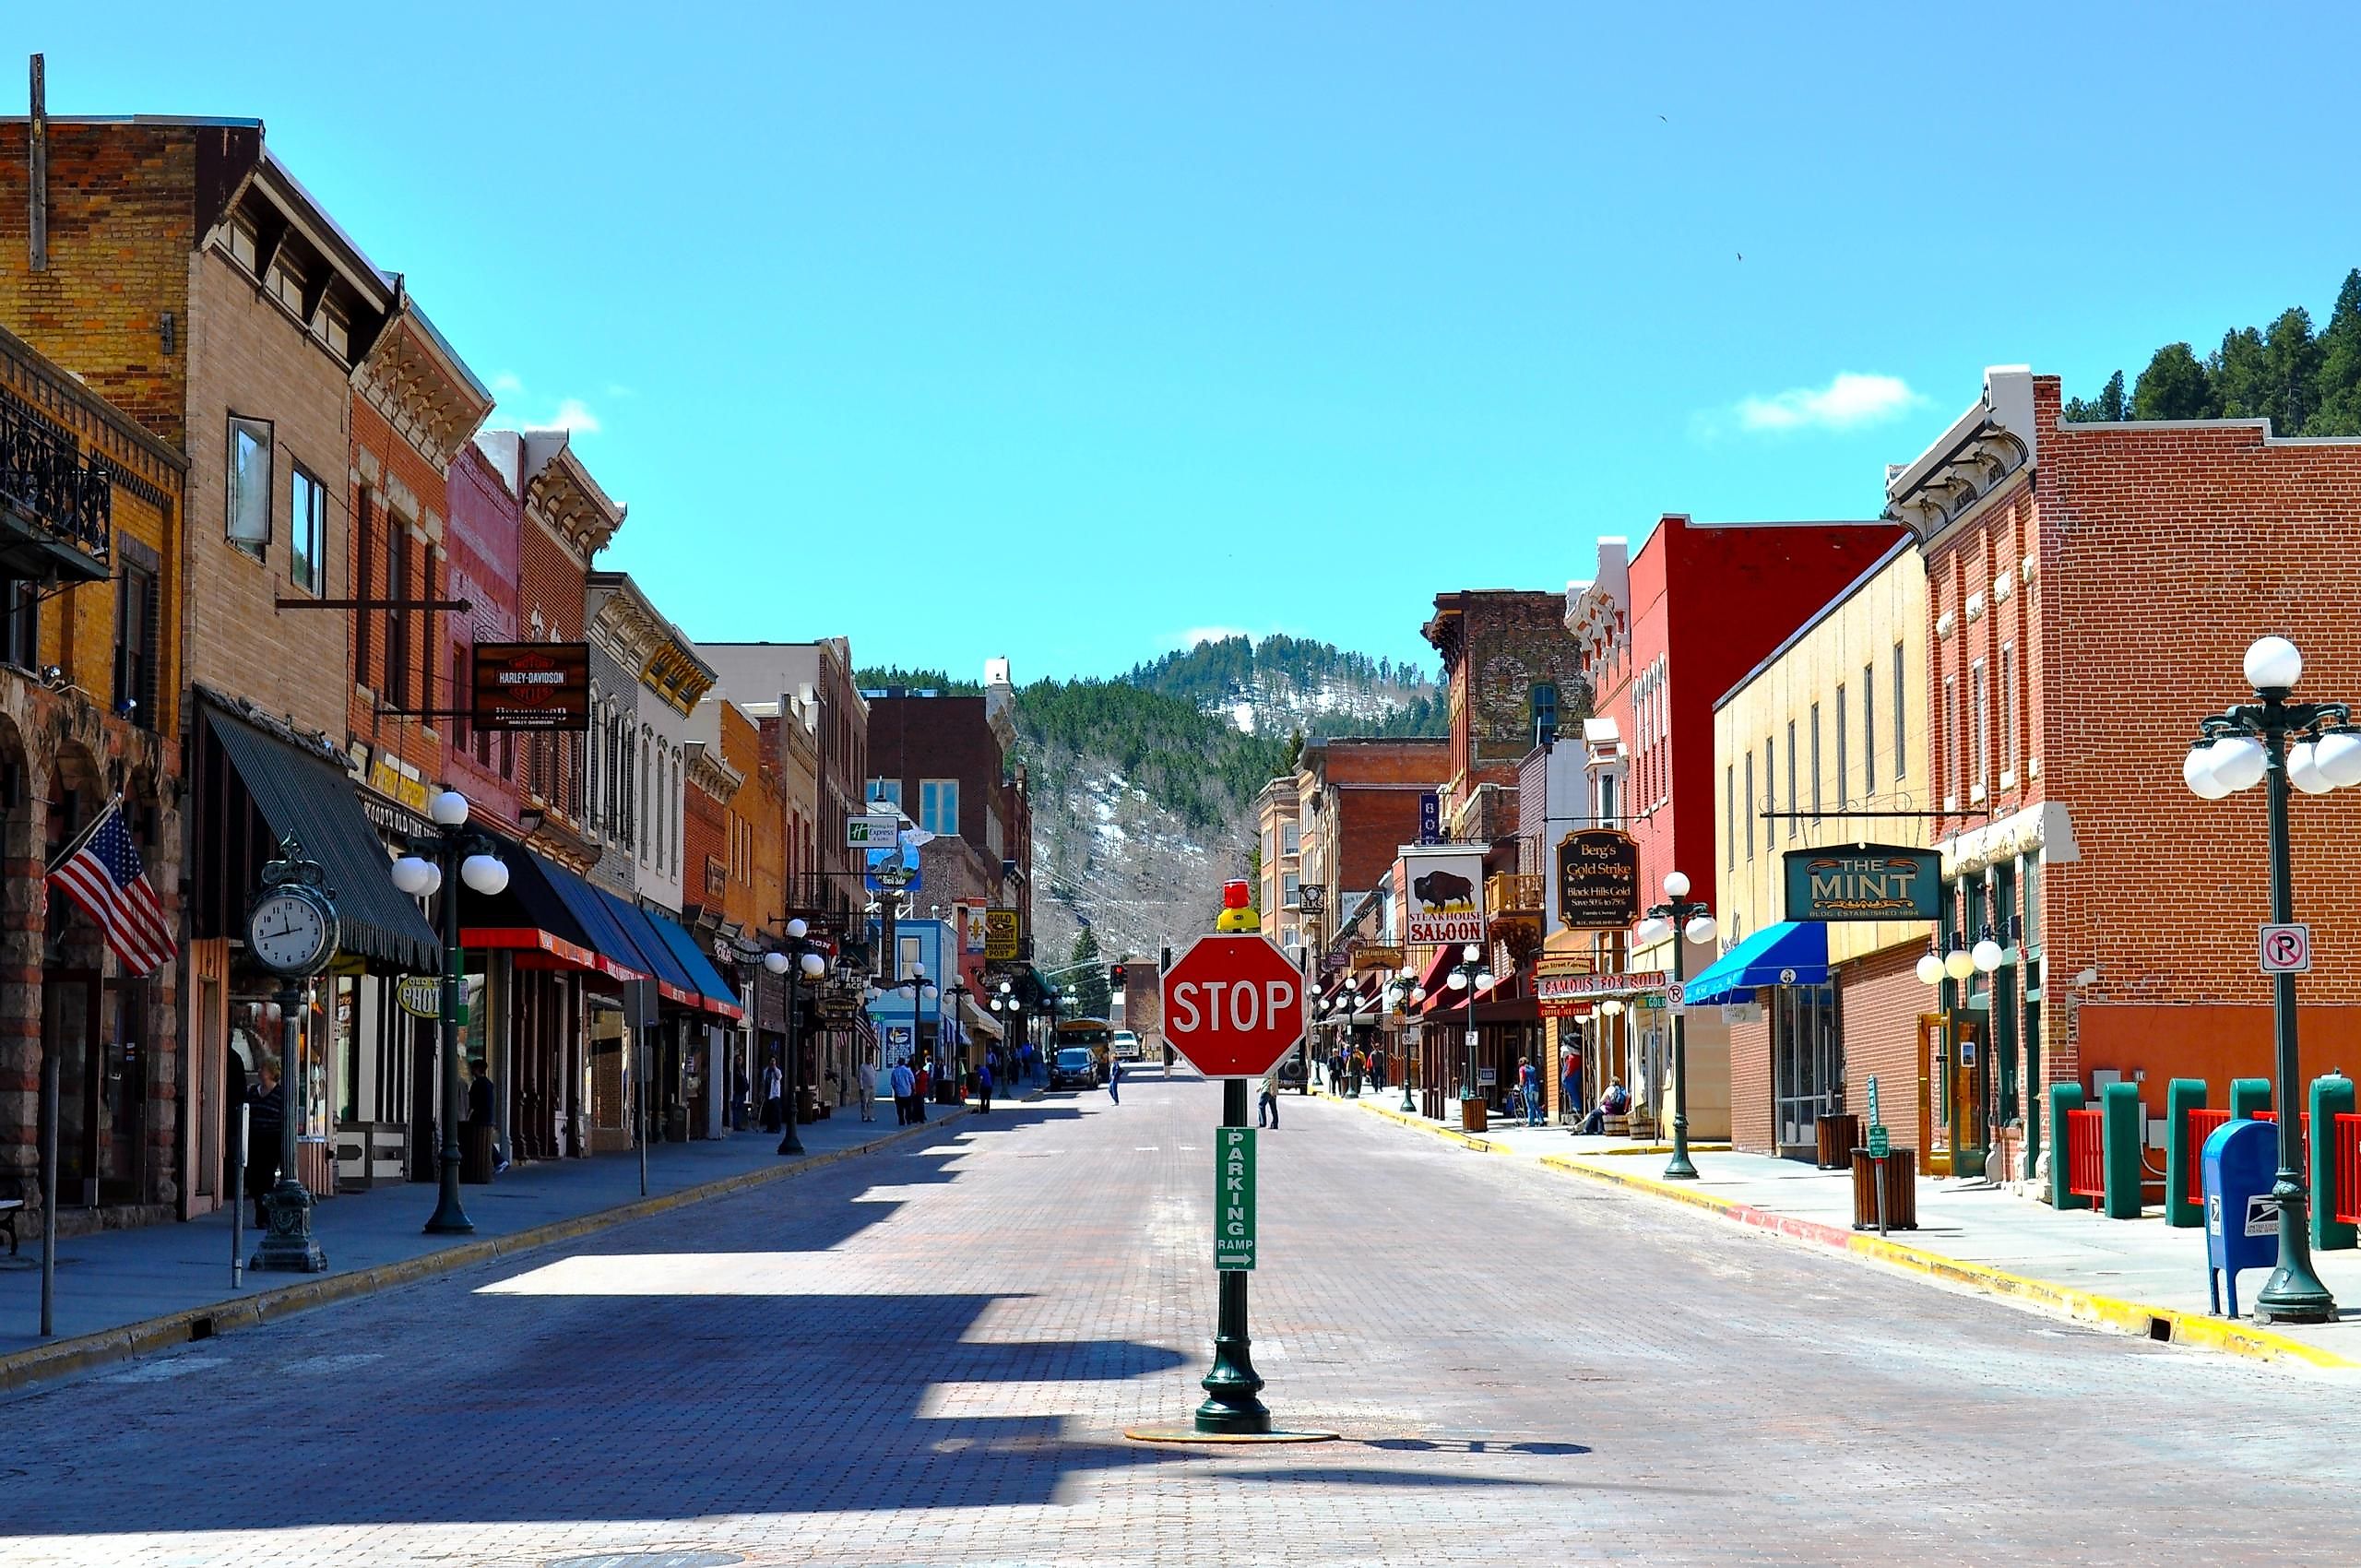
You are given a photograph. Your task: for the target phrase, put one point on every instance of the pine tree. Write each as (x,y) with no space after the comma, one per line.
(2108,404)
(2176,386)
(2337,388)
(1093,997)
(2241,377)
(2291,357)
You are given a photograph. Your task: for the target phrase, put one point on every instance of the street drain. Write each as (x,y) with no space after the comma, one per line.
(649,1560)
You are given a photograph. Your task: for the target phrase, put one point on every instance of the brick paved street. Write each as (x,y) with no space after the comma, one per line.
(926,1355)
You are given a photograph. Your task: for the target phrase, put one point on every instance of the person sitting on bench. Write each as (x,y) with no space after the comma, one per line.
(1614,1102)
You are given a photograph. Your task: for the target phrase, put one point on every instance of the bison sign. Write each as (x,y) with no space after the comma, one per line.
(1446,900)
(1233,1005)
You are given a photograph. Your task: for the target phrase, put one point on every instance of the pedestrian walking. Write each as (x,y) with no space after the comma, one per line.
(483,1115)
(1569,1082)
(773,1096)
(1528,1082)
(905,1087)
(923,1082)
(1268,1105)
(1377,1071)
(864,1079)
(1359,1070)
(741,1090)
(984,1089)
(264,1129)
(1115,1081)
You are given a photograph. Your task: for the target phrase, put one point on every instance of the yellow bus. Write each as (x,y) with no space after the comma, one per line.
(1094,1035)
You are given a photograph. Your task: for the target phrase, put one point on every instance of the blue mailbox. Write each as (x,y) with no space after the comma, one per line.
(2241,1164)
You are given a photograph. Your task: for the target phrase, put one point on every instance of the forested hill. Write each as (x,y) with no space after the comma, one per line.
(1144,786)
(2304,383)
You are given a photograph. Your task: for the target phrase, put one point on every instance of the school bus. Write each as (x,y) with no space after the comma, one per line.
(1095,1035)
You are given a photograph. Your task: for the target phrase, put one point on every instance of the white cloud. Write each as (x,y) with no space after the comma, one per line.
(508,384)
(572,414)
(1851,402)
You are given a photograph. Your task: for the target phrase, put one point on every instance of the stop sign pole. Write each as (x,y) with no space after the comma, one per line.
(1233,1007)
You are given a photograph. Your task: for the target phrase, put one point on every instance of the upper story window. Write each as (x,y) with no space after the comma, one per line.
(1290,839)
(1291,890)
(335,332)
(1545,712)
(308,530)
(248,524)
(887,790)
(245,243)
(136,616)
(938,806)
(285,286)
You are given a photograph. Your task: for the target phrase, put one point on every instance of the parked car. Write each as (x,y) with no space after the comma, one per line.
(1127,1046)
(1072,1068)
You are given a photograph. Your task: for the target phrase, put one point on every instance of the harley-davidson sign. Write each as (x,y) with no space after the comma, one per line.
(533,686)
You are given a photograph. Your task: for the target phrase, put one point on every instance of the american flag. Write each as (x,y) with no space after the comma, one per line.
(105,876)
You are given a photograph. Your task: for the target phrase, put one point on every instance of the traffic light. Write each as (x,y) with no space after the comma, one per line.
(1115,976)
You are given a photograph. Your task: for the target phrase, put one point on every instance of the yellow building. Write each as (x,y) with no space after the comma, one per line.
(1822,735)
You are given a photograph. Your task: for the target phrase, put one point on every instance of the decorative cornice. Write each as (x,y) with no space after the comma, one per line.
(561,494)
(1985,448)
(710,774)
(430,399)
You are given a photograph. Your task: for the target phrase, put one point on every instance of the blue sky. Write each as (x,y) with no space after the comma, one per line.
(1065,331)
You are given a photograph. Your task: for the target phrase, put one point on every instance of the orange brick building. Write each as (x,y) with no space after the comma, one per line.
(2091,590)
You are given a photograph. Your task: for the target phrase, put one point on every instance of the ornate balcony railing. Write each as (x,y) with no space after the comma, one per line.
(56,508)
(1514,892)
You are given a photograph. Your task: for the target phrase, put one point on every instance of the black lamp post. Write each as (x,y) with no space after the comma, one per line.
(954,997)
(2243,743)
(799,959)
(919,987)
(1470,975)
(1010,1009)
(1406,992)
(461,855)
(1687,920)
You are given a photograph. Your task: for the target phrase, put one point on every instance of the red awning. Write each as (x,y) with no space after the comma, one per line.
(532,939)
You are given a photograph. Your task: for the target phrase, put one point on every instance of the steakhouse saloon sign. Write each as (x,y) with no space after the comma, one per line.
(1872,881)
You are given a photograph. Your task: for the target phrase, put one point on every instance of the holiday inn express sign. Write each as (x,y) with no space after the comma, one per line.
(1870,882)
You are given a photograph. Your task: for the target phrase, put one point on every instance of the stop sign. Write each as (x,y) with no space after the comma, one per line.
(1233,1005)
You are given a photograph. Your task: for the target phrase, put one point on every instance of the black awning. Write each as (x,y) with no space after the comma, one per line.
(302,794)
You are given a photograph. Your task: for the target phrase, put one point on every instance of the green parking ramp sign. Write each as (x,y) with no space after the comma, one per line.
(1233,1198)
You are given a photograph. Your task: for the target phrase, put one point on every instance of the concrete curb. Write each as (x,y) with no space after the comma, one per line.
(2137,1319)
(1488,1145)
(41,1363)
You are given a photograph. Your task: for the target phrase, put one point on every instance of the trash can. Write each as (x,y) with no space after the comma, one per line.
(1472,1113)
(1839,1131)
(475,1153)
(1901,1190)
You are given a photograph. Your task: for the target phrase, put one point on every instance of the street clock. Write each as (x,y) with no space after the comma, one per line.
(291,928)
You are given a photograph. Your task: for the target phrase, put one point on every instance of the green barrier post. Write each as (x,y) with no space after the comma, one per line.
(2063,1098)
(2247,1096)
(2181,1154)
(2331,1097)
(2125,1129)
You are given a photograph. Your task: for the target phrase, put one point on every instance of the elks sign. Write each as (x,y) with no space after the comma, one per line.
(1446,900)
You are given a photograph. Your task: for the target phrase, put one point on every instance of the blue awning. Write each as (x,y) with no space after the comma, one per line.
(718,997)
(1791,953)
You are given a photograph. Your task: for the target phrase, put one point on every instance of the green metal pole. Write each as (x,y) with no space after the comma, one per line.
(1230,1407)
(449,1219)
(2294,1293)
(1680,1168)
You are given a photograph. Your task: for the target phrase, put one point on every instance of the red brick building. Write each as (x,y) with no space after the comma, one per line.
(1662,636)
(1509,667)
(2091,590)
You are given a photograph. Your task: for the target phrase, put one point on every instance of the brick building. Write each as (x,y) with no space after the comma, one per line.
(1356,801)
(816,677)
(89,707)
(1510,666)
(1664,633)
(1849,684)
(1278,828)
(2091,590)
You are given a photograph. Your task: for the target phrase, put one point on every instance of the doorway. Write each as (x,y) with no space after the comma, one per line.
(1808,1063)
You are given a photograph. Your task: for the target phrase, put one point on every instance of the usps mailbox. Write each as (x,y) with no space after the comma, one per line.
(2241,1164)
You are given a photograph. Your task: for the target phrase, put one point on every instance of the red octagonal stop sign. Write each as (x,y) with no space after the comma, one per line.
(1233,1007)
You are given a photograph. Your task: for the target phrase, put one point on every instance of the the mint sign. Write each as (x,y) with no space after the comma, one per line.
(1876,882)
(1233,1198)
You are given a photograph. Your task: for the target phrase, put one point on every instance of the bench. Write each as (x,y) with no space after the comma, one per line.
(12,1203)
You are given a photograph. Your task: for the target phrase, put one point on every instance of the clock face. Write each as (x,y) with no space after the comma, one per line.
(289,933)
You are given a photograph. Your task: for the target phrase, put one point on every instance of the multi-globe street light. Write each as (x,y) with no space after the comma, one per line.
(803,959)
(1686,920)
(2312,746)
(1470,975)
(468,857)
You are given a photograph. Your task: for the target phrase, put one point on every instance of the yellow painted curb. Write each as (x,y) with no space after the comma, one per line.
(2137,1319)
(1467,1140)
(41,1363)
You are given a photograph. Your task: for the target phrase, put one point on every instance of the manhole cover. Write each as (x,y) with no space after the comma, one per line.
(650,1560)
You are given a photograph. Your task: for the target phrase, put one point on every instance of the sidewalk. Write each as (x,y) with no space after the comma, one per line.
(123,1293)
(2138,1276)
